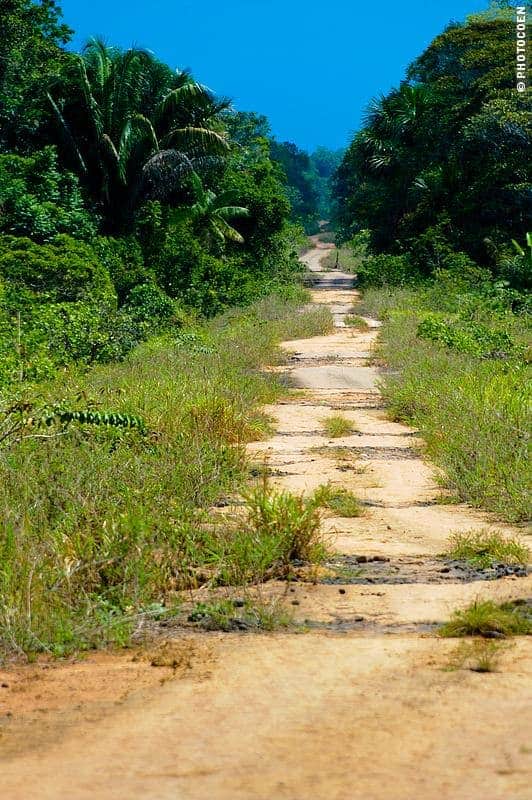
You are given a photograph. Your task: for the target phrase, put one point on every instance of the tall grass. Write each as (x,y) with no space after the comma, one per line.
(474,413)
(100,527)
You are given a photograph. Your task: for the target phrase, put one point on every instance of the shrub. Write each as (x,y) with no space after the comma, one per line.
(39,200)
(124,261)
(474,338)
(64,270)
(147,303)
(386,270)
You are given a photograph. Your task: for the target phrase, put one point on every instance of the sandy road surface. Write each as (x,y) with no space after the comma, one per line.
(359,708)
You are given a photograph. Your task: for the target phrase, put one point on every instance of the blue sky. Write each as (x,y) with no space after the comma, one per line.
(311,67)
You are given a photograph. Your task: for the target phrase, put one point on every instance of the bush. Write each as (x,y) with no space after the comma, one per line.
(124,261)
(469,337)
(53,335)
(386,270)
(40,201)
(147,303)
(64,270)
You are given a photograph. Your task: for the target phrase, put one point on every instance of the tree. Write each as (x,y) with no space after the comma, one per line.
(444,156)
(302,193)
(133,129)
(210,215)
(38,200)
(30,55)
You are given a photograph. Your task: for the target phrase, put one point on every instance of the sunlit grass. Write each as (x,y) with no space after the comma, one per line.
(100,526)
(337,499)
(482,548)
(336,426)
(485,618)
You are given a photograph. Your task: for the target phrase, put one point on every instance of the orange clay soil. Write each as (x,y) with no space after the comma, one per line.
(361,706)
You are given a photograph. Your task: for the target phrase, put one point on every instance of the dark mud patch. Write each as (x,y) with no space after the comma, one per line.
(352,569)
(359,624)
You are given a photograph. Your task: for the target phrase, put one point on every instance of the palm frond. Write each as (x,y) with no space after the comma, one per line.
(197,140)
(228,232)
(232,211)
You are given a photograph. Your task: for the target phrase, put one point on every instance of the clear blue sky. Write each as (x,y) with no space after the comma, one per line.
(311,67)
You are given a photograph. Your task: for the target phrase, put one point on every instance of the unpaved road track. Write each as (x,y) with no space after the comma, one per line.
(361,707)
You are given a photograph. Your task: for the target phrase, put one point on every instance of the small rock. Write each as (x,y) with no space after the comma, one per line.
(239,624)
(361,559)
(341,591)
(380,558)
(445,569)
(295,602)
(5,685)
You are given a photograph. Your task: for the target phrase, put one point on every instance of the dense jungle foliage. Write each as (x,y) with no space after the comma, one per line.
(130,197)
(439,175)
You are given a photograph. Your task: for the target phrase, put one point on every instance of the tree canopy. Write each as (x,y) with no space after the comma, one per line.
(446,151)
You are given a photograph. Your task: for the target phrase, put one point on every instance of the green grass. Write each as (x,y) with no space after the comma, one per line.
(482,548)
(288,525)
(101,526)
(483,618)
(478,655)
(354,321)
(341,501)
(336,426)
(474,413)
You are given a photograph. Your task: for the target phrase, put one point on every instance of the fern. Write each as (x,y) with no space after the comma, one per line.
(111,419)
(26,420)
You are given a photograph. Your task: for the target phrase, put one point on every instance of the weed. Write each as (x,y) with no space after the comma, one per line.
(486,618)
(337,499)
(482,548)
(289,523)
(336,426)
(354,321)
(479,655)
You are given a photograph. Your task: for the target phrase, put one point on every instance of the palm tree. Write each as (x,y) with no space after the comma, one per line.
(134,129)
(210,215)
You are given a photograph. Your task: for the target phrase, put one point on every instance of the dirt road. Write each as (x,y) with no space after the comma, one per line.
(363,706)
